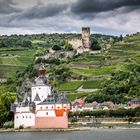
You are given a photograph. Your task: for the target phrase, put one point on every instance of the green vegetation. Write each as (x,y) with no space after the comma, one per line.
(6,98)
(109,113)
(69,86)
(114,71)
(74,96)
(13,60)
(93,71)
(93,84)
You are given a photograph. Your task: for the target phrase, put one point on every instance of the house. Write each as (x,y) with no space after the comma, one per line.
(108,105)
(134,103)
(77,105)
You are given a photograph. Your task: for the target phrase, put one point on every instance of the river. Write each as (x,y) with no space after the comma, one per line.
(103,134)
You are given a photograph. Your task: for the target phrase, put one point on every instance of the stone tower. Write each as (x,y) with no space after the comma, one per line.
(86,37)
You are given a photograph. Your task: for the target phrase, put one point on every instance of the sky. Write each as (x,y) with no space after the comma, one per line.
(112,17)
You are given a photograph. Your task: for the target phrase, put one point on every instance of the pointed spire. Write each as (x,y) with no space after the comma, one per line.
(16,100)
(37,98)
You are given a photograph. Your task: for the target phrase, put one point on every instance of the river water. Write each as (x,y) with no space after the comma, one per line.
(109,134)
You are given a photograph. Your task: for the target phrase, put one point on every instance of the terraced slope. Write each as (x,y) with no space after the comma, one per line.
(94,69)
(14,60)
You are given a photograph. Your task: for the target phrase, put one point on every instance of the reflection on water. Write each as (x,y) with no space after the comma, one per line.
(109,134)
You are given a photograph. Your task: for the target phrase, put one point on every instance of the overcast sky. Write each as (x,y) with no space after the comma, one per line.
(63,16)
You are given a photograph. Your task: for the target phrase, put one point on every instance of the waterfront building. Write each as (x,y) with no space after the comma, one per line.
(44,108)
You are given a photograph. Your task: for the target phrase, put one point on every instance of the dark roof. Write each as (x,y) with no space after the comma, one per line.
(135,100)
(41,80)
(37,98)
(55,99)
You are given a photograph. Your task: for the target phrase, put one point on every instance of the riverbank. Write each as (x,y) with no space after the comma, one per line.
(45,130)
(70,129)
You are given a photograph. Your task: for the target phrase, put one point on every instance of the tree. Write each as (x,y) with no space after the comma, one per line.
(56,48)
(95,45)
(121,38)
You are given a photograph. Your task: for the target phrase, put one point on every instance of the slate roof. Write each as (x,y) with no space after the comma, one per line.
(37,98)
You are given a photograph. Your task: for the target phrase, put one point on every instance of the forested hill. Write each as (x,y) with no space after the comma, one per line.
(111,75)
(19,51)
(43,40)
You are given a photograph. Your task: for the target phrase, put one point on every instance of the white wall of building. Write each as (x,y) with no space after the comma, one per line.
(22,109)
(42,91)
(45,110)
(26,119)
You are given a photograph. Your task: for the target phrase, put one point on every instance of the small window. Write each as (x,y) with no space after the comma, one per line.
(26,117)
(46,113)
(46,107)
(52,107)
(40,107)
(30,117)
(58,107)
(17,117)
(22,116)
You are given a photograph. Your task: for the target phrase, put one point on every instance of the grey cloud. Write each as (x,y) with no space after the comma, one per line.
(7,7)
(41,11)
(96,6)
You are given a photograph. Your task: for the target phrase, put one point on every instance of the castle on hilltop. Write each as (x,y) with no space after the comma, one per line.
(43,109)
(81,44)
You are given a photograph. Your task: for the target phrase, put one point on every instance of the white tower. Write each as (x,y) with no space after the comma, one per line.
(41,88)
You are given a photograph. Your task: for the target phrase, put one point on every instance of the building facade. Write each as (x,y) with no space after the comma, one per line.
(43,109)
(81,44)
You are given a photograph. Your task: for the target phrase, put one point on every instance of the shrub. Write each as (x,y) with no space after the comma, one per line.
(9,124)
(21,127)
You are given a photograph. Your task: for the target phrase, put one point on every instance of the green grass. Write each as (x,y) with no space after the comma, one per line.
(10,71)
(70,86)
(14,60)
(133,38)
(95,84)
(133,46)
(74,96)
(136,58)
(120,53)
(93,71)
(38,41)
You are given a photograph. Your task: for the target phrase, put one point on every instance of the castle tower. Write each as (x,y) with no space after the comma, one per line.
(86,37)
(41,87)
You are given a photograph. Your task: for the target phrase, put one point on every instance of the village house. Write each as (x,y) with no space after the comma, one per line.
(134,103)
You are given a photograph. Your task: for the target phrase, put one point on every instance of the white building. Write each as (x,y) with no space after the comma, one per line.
(45,109)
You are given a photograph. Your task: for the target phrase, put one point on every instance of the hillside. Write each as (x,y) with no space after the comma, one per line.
(90,75)
(94,73)
(13,60)
(111,74)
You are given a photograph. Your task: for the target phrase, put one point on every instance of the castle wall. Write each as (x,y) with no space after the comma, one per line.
(25,119)
(83,44)
(51,122)
(45,110)
(76,43)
